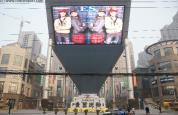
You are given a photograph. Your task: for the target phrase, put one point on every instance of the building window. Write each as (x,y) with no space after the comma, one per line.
(166,79)
(59,85)
(177,50)
(175,64)
(23,77)
(1,86)
(13,87)
(22,89)
(168,51)
(3,69)
(18,60)
(157,53)
(155,92)
(164,66)
(168,90)
(28,92)
(26,63)
(5,59)
(29,79)
(152,68)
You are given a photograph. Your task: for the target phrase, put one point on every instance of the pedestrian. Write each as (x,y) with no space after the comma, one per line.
(97,111)
(133,111)
(160,109)
(10,104)
(147,110)
(128,109)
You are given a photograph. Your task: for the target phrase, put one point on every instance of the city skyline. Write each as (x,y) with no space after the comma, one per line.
(142,27)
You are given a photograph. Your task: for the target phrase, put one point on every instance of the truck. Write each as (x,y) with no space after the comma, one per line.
(89,102)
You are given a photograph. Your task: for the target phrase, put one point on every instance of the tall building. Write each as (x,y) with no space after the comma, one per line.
(41,60)
(30,41)
(160,57)
(143,88)
(61,87)
(170,32)
(20,88)
(117,86)
(164,60)
(143,59)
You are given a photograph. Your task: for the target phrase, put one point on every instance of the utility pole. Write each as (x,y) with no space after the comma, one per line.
(46,85)
(130,90)
(113,88)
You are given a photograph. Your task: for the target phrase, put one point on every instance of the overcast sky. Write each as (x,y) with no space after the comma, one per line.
(146,20)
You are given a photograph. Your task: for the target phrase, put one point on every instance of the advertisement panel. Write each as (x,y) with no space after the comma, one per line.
(88,24)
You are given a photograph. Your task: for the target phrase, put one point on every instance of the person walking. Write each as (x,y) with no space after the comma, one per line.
(128,109)
(147,110)
(133,111)
(160,109)
(10,105)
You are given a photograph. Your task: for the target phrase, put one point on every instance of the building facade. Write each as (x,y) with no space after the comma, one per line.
(143,59)
(61,87)
(116,87)
(164,60)
(30,41)
(170,32)
(23,89)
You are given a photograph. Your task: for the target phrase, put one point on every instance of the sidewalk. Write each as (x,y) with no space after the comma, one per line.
(38,112)
(156,112)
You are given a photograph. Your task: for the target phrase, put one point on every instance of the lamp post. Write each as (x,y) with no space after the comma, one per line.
(46,84)
(113,88)
(128,62)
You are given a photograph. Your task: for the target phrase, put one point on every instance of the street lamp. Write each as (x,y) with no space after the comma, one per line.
(46,84)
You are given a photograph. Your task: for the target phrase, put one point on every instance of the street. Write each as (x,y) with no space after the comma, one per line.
(38,112)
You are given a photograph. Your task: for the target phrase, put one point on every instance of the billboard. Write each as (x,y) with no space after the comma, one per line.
(88,24)
(86,50)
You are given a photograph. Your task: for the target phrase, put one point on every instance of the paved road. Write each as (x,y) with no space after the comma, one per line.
(37,112)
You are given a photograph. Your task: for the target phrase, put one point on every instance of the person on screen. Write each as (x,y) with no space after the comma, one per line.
(62,27)
(113,26)
(77,28)
(77,25)
(97,28)
(98,25)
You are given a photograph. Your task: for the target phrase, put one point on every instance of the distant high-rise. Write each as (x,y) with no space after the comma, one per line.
(143,59)
(29,40)
(60,86)
(170,32)
(117,86)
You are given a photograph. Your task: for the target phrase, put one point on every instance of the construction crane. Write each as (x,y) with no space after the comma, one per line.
(22,21)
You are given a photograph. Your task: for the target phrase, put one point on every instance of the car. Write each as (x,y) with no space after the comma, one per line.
(107,113)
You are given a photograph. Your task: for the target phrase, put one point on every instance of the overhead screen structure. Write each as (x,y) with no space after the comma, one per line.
(88,37)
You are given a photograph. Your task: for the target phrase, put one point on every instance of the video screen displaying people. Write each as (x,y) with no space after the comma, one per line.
(88,24)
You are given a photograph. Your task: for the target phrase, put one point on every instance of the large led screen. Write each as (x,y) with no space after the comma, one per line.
(88,24)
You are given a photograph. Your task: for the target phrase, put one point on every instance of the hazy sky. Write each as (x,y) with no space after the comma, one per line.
(146,19)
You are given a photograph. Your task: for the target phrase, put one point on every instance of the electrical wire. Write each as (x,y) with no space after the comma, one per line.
(136,74)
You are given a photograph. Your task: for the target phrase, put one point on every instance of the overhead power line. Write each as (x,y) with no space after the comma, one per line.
(89,74)
(141,7)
